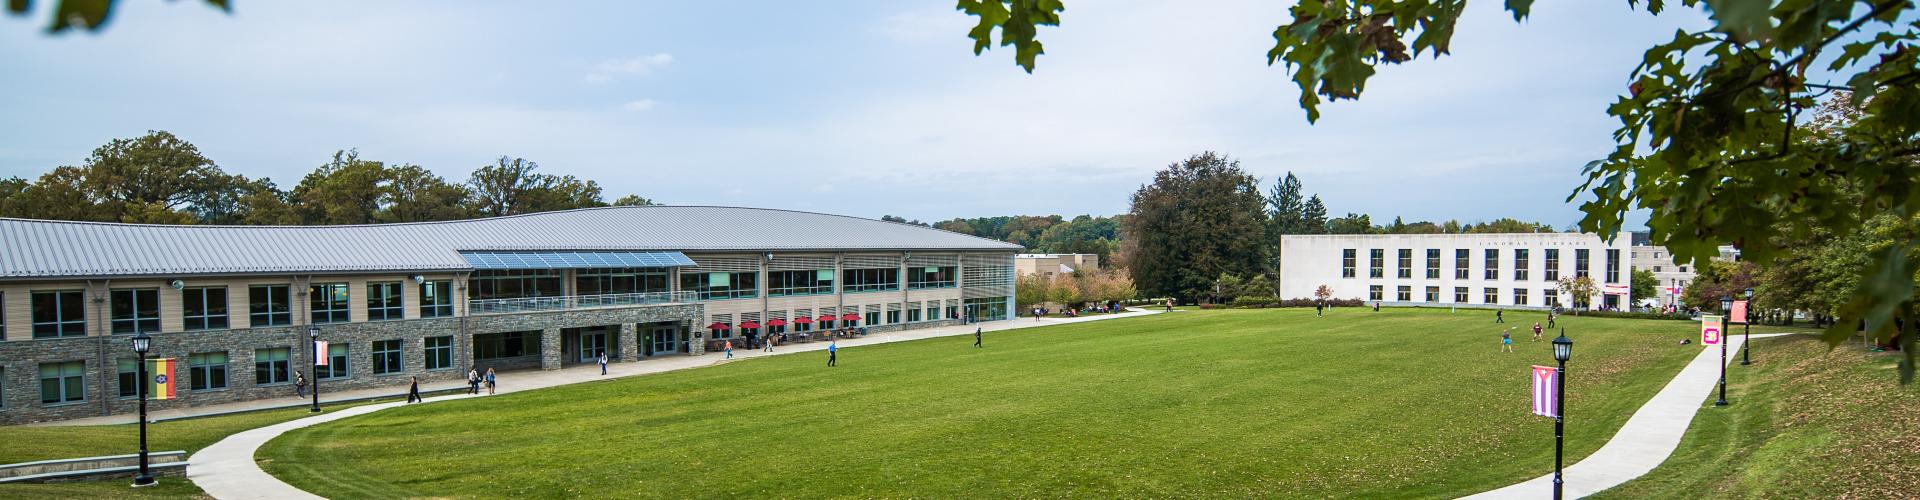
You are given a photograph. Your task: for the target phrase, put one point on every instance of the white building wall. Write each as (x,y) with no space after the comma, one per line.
(1309,261)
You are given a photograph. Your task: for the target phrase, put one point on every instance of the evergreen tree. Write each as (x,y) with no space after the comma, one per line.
(1285,207)
(1314,216)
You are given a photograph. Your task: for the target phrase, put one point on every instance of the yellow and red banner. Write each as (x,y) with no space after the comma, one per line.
(163,383)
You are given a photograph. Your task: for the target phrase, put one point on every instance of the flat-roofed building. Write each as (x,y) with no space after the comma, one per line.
(1055,264)
(234,304)
(1509,270)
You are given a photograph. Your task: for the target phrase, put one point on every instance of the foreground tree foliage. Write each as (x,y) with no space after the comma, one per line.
(1712,137)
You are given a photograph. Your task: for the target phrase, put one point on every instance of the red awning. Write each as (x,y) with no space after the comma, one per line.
(719,326)
(803,320)
(776,322)
(750,324)
(850,317)
(829,317)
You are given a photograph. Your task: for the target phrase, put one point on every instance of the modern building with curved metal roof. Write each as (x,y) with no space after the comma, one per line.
(247,310)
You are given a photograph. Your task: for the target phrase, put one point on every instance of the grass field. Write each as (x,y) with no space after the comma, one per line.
(1806,422)
(1403,403)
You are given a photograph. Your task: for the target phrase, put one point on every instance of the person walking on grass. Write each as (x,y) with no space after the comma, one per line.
(1506,340)
(492,385)
(1499,315)
(976,337)
(603,363)
(1550,316)
(833,353)
(413,392)
(299,384)
(1536,331)
(729,347)
(473,381)
(1320,309)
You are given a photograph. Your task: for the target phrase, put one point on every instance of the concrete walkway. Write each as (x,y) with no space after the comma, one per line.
(1648,437)
(226,469)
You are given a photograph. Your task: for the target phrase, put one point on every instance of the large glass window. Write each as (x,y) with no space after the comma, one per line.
(893,316)
(436,299)
(1405,269)
(337,364)
(1461,263)
(1613,265)
(329,303)
(59,314)
(1580,262)
(1433,264)
(1553,265)
(63,382)
(930,277)
(129,377)
(136,309)
(720,286)
(790,283)
(268,305)
(1493,264)
(620,280)
(1346,263)
(207,370)
(1519,264)
(1377,262)
(384,302)
(204,308)
(515,283)
(871,280)
(386,357)
(505,345)
(439,352)
(270,366)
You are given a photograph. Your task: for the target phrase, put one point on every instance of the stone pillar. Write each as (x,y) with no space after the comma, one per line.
(629,341)
(696,340)
(550,349)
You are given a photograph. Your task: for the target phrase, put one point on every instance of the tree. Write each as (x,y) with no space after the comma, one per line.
(510,186)
(1351,224)
(1200,218)
(346,190)
(415,194)
(1715,280)
(1285,206)
(1323,293)
(1029,290)
(633,200)
(1642,284)
(1061,290)
(90,15)
(1314,216)
(1580,288)
(903,220)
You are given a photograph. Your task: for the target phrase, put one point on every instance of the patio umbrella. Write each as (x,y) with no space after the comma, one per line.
(828,317)
(750,324)
(719,326)
(803,320)
(776,322)
(850,317)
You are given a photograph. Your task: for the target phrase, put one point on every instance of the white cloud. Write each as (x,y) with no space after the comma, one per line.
(640,105)
(607,70)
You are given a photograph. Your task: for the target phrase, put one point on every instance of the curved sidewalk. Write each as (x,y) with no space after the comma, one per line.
(1648,437)
(227,470)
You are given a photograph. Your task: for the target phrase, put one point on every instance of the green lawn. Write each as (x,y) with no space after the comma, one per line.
(1401,403)
(1806,422)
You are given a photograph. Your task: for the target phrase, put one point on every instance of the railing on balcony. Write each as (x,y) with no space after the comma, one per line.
(525,304)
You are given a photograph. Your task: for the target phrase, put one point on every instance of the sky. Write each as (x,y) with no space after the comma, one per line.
(862,108)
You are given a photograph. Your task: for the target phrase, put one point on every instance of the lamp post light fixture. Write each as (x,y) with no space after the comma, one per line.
(141,343)
(1746,329)
(1562,350)
(1726,308)
(313,345)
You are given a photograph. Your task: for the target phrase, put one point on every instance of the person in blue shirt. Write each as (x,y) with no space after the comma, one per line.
(833,352)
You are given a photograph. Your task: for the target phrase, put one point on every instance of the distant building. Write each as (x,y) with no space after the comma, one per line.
(1053,264)
(1513,270)
(1670,279)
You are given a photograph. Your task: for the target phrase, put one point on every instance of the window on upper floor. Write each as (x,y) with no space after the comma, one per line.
(135,309)
(204,308)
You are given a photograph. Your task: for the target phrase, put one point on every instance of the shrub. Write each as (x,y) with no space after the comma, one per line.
(1249,301)
(1635,315)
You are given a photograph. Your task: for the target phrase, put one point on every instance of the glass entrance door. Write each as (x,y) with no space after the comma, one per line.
(663,339)
(592,343)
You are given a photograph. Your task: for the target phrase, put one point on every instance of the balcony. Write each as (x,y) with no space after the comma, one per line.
(569,302)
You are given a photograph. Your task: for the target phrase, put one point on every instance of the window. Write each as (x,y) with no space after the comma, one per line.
(270,366)
(1378,262)
(1550,297)
(790,283)
(207,371)
(505,345)
(1373,293)
(1461,263)
(329,303)
(337,364)
(1683,269)
(893,316)
(129,377)
(386,357)
(1519,264)
(1613,265)
(515,284)
(913,315)
(1404,294)
(1493,264)
(1553,265)
(871,280)
(1346,263)
(436,299)
(1460,295)
(930,277)
(204,308)
(620,280)
(1433,294)
(1433,263)
(1406,264)
(933,312)
(721,286)
(439,352)
(384,302)
(1492,295)
(873,318)
(267,305)
(62,383)
(1579,262)
(1519,296)
(1656,269)
(136,309)
(59,314)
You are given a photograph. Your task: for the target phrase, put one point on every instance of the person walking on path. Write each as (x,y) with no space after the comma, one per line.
(833,353)
(1536,331)
(413,392)
(729,349)
(976,337)
(299,384)
(1499,315)
(1506,340)
(603,362)
(491,384)
(768,346)
(1169,304)
(1550,319)
(473,382)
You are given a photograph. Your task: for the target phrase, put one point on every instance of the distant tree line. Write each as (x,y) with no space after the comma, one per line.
(159,178)
(1098,235)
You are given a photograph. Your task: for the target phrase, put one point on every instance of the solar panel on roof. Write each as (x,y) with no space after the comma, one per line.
(573,260)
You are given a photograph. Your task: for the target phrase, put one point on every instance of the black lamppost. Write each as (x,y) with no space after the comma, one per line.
(1746,328)
(1562,350)
(141,342)
(313,345)
(1726,309)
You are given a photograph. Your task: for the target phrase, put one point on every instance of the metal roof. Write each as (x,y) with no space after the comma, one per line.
(42,249)
(574,260)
